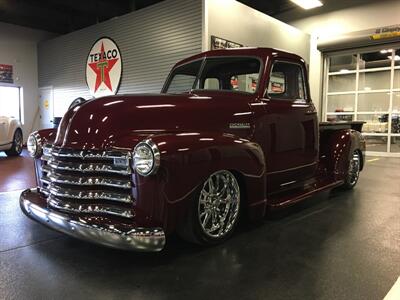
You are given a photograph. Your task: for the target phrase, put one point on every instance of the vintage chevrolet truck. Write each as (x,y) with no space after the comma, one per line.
(232,134)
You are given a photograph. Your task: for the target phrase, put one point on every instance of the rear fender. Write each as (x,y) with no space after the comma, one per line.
(342,144)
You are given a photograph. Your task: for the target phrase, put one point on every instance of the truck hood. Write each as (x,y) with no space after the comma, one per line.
(121,121)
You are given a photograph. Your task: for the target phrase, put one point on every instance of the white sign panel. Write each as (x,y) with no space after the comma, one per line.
(103,68)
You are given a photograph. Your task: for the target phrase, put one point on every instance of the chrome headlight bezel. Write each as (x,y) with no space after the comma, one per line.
(156,157)
(34,145)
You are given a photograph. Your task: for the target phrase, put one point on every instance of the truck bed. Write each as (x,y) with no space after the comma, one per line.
(355,125)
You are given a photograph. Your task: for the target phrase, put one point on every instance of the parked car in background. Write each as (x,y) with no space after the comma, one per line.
(11,139)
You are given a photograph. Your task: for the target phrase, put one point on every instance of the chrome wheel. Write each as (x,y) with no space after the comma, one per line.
(354,169)
(219,203)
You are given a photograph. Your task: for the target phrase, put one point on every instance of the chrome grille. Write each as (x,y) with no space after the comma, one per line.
(90,182)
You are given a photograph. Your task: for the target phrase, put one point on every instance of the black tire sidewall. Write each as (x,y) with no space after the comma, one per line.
(13,150)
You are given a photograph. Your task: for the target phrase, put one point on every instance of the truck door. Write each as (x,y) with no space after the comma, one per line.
(290,128)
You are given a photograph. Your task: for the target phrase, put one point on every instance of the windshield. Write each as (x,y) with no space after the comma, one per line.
(235,74)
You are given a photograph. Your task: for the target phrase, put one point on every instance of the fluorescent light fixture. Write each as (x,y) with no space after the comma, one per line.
(344,71)
(384,51)
(307,4)
(397,57)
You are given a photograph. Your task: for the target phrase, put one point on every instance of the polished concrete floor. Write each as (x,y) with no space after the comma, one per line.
(342,245)
(16,173)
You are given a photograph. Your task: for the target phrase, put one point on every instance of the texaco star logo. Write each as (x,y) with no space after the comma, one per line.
(103,68)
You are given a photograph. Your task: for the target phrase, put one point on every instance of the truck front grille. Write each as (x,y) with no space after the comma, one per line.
(88,182)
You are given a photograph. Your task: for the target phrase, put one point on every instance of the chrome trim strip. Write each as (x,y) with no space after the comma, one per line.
(89,195)
(86,167)
(135,238)
(86,181)
(89,208)
(85,154)
(292,169)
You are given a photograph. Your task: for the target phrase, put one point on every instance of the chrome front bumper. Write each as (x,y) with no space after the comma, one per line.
(112,235)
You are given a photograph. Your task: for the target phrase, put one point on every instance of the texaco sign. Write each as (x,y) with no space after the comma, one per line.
(103,68)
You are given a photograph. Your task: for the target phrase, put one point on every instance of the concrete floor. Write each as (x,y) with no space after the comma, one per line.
(342,245)
(16,173)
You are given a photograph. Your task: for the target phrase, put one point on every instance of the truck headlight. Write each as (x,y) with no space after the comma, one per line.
(146,158)
(34,144)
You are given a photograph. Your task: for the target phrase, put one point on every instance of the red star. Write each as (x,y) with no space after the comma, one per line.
(102,69)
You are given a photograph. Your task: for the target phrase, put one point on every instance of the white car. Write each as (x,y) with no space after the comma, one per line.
(11,140)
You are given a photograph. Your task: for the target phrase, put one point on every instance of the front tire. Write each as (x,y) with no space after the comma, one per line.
(16,147)
(215,210)
(353,172)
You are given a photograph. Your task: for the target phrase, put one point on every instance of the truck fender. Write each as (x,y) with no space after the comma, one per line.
(342,144)
(187,159)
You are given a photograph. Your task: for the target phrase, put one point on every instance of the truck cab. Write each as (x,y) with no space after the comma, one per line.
(232,132)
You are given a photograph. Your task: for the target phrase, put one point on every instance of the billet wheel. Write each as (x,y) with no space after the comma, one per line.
(353,171)
(215,210)
(16,147)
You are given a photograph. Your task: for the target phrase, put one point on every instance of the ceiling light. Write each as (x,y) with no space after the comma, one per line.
(344,71)
(397,57)
(307,4)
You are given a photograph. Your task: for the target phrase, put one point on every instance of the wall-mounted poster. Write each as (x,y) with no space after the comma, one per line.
(6,73)
(220,43)
(103,68)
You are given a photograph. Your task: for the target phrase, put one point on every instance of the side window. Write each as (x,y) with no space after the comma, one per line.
(286,82)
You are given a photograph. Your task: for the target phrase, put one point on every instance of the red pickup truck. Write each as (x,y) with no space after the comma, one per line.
(233,133)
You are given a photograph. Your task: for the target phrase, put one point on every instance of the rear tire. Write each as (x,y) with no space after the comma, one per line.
(353,171)
(214,212)
(16,147)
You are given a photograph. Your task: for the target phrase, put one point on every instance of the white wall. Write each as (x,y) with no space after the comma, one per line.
(239,23)
(331,26)
(18,48)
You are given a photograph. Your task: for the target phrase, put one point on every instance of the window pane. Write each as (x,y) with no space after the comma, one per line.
(377,59)
(302,94)
(286,82)
(397,57)
(341,103)
(183,77)
(396,81)
(342,63)
(234,73)
(342,83)
(396,102)
(9,101)
(395,144)
(376,143)
(395,122)
(375,123)
(374,81)
(373,102)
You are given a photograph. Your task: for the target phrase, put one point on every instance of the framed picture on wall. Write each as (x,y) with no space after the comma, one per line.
(6,73)
(220,43)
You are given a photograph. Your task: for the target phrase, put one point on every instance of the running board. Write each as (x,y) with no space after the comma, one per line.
(278,201)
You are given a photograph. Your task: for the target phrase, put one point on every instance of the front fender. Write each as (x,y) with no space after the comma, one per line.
(187,159)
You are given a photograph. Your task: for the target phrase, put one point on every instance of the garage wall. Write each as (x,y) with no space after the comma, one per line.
(18,48)
(242,24)
(331,26)
(151,41)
